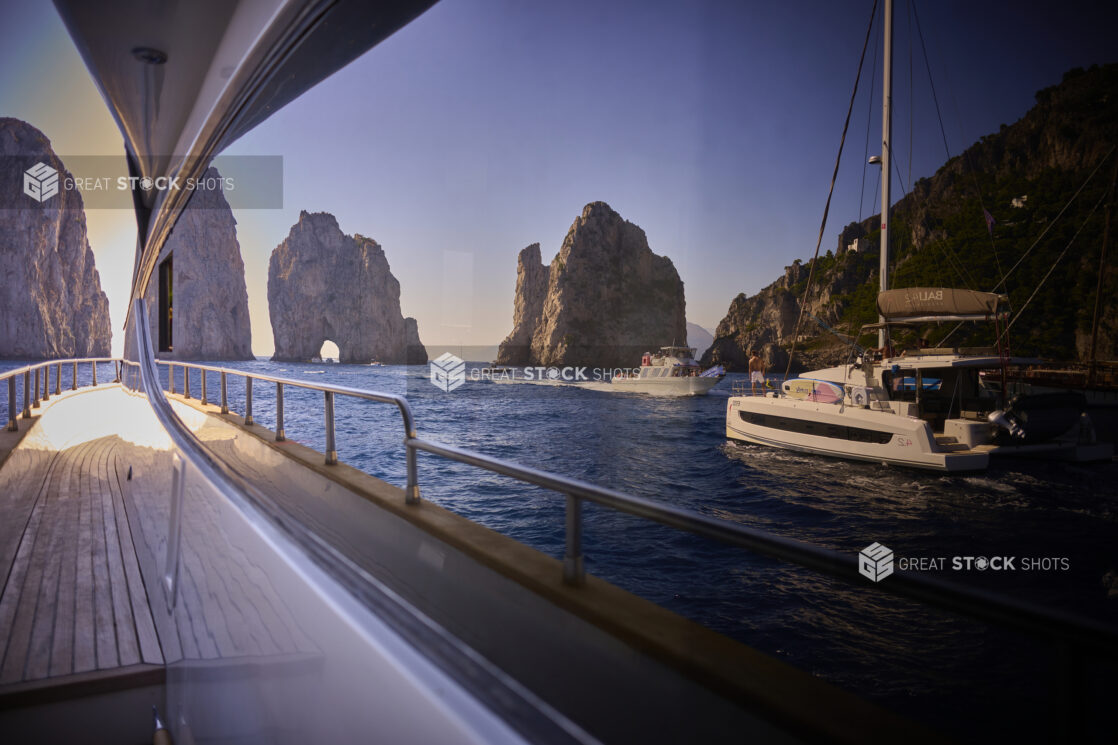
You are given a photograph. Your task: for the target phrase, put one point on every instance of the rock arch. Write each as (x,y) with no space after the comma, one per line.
(324,284)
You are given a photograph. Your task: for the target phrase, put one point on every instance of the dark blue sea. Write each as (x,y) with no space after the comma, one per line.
(959,676)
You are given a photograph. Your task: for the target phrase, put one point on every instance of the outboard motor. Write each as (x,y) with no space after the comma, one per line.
(1038,417)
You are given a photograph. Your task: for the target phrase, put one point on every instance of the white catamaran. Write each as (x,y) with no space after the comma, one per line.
(928,408)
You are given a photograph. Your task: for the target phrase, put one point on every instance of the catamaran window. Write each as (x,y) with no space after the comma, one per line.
(819,429)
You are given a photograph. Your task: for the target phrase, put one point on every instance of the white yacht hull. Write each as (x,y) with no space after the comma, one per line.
(844,432)
(693,386)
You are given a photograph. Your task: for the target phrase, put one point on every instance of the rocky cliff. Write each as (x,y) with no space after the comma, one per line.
(210,309)
(1025,175)
(51,303)
(323,284)
(415,352)
(608,298)
(531,291)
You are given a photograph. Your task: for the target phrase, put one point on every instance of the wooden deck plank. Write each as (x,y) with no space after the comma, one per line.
(128,646)
(21,479)
(150,649)
(85,644)
(48,554)
(62,643)
(20,596)
(104,633)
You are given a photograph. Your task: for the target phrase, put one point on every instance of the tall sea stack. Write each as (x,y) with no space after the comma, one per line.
(51,303)
(326,285)
(210,320)
(608,298)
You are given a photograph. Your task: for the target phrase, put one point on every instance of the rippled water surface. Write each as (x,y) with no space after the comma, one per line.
(959,675)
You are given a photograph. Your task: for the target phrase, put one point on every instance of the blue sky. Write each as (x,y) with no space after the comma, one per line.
(486,125)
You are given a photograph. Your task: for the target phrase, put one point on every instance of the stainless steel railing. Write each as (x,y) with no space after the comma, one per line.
(41,371)
(328,392)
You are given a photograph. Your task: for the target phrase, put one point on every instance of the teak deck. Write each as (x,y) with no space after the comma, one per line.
(81,546)
(73,598)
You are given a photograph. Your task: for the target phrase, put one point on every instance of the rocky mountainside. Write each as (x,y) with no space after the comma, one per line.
(210,305)
(1024,175)
(51,303)
(324,284)
(604,300)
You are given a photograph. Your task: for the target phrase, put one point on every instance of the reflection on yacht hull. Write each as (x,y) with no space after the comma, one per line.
(856,434)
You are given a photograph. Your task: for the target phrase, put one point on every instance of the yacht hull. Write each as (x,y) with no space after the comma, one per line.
(844,432)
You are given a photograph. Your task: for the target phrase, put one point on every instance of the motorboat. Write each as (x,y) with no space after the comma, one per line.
(671,371)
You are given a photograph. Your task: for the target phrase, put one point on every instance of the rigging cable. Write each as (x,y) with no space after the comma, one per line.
(943,134)
(1055,264)
(869,119)
(1041,236)
(830,193)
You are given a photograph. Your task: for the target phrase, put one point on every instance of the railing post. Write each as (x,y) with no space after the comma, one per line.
(117,368)
(35,401)
(411,492)
(186,381)
(280,436)
(74,377)
(46,383)
(224,395)
(248,399)
(27,395)
(171,377)
(58,379)
(94,366)
(13,425)
(331,445)
(205,390)
(573,572)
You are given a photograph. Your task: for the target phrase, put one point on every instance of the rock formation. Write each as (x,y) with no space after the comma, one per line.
(608,298)
(323,284)
(531,291)
(210,310)
(415,352)
(51,303)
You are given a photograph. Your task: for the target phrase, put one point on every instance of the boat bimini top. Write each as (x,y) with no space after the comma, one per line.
(915,305)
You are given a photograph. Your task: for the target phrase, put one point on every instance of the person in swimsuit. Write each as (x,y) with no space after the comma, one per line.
(756,373)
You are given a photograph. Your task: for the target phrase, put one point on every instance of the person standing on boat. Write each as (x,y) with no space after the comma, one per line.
(756,373)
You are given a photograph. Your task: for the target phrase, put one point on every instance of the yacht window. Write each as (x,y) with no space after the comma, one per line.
(819,429)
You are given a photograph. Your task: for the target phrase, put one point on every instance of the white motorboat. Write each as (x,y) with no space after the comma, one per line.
(672,371)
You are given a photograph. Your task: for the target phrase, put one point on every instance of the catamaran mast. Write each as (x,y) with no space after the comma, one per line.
(886,157)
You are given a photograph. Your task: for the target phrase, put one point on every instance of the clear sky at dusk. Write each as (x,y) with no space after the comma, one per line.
(486,125)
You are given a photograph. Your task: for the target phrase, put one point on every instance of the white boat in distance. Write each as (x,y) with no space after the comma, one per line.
(672,371)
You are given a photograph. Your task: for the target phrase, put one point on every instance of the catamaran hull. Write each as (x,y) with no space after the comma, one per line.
(851,434)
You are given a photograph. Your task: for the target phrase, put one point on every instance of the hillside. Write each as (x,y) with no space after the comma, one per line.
(1024,174)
